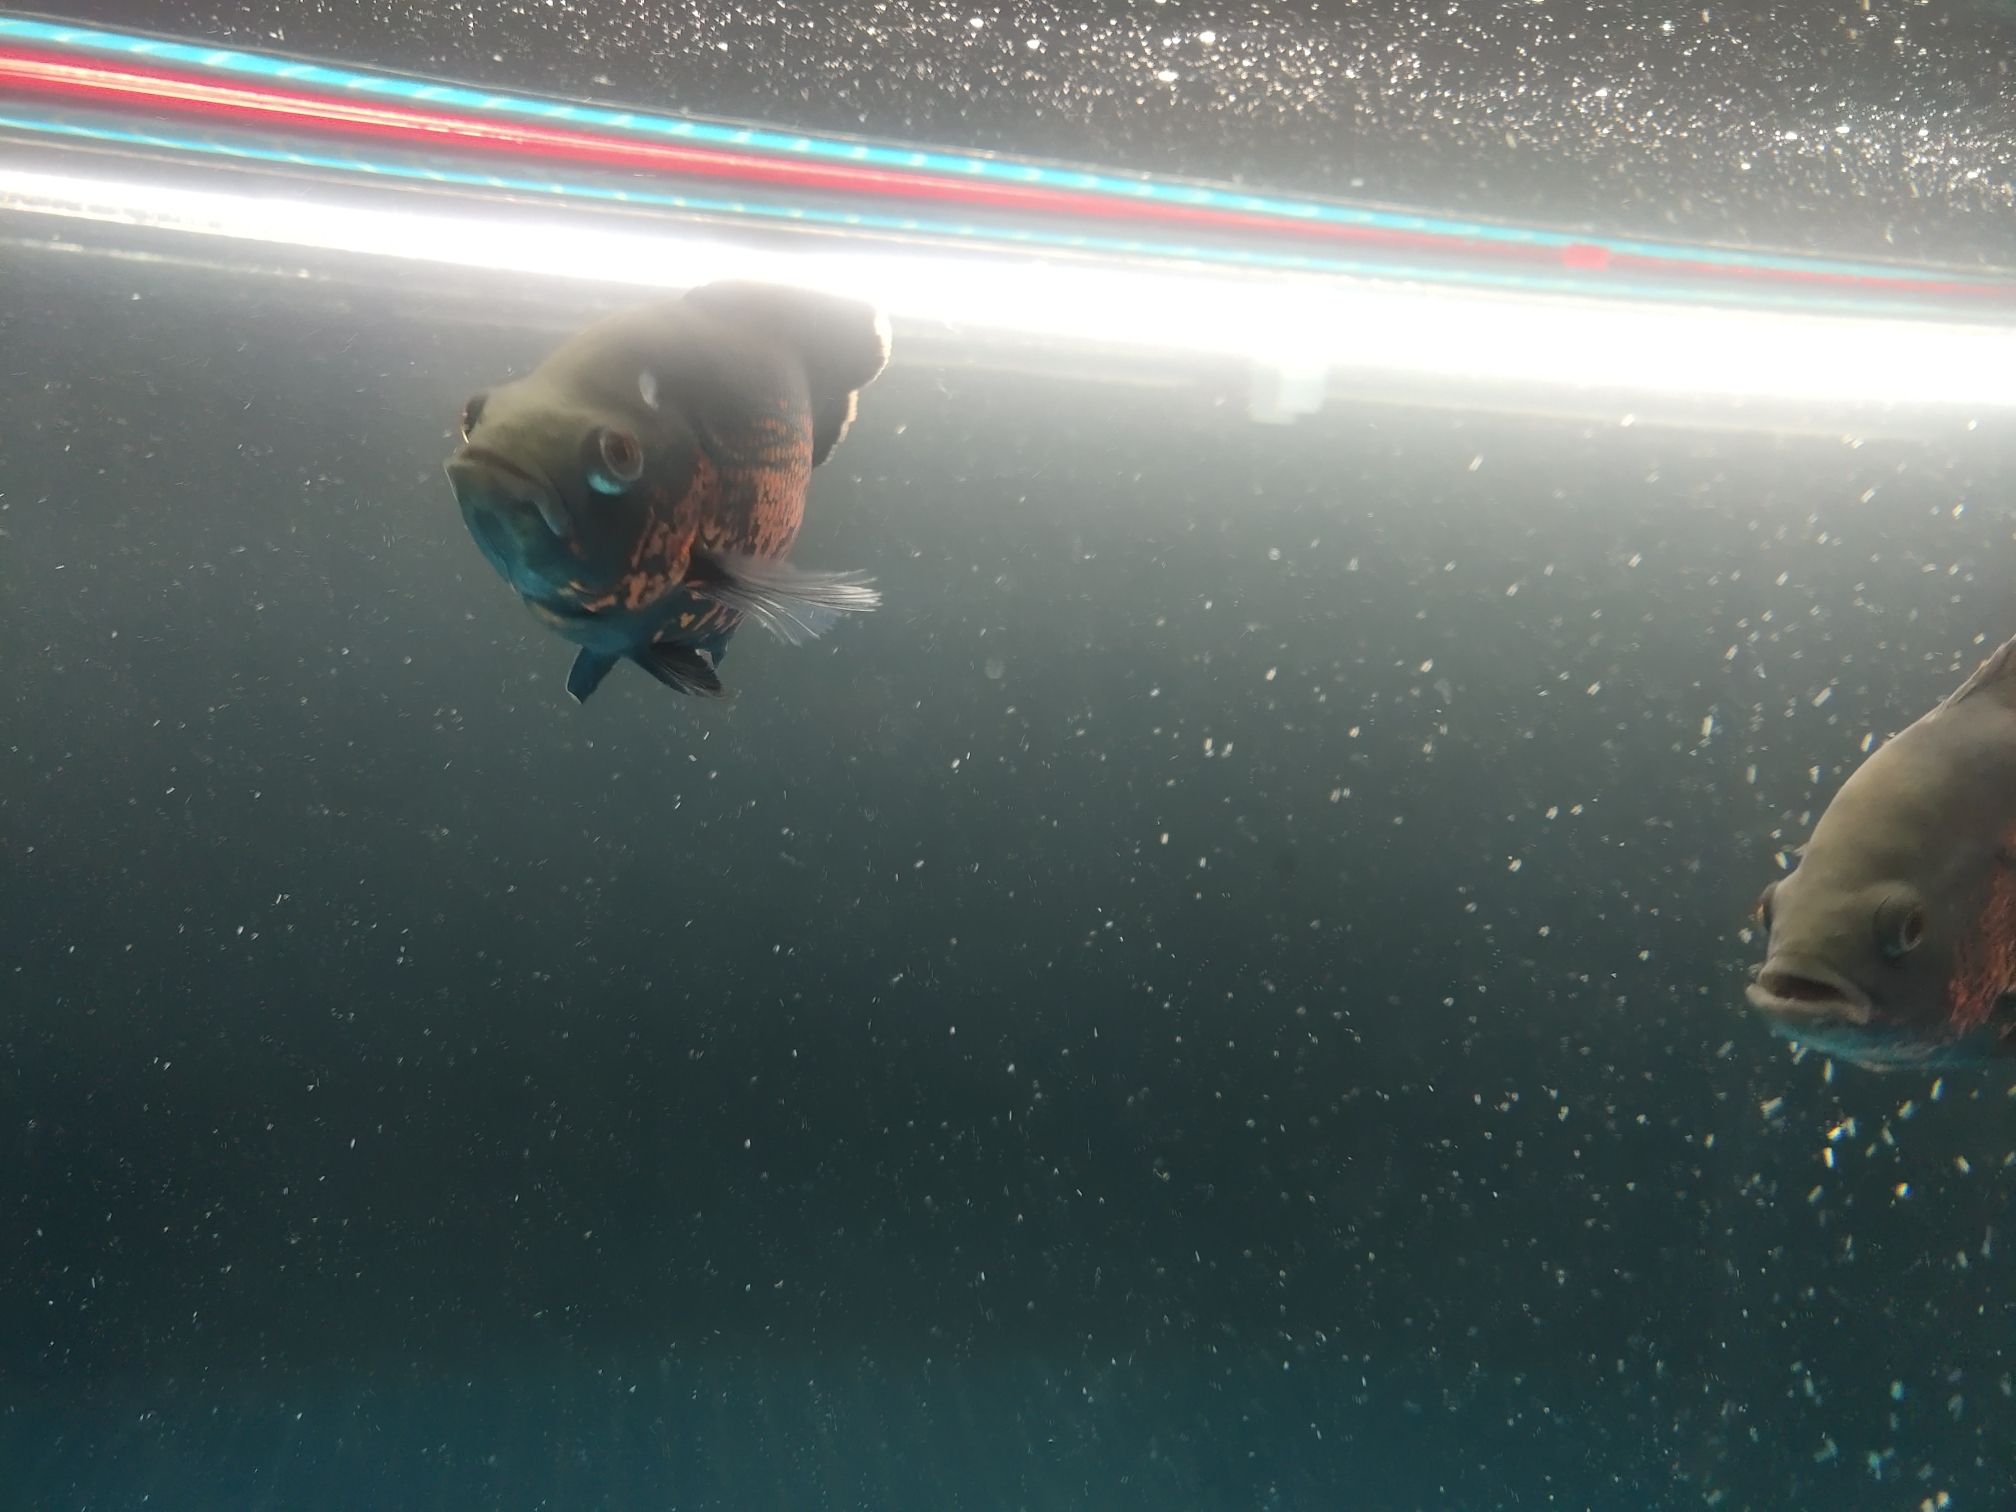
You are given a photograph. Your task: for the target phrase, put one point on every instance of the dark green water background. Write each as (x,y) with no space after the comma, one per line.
(1223,994)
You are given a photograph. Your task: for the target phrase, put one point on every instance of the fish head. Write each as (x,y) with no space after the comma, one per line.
(562,492)
(1892,944)
(1855,972)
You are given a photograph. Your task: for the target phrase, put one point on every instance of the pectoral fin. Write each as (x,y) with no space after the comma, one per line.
(586,675)
(680,668)
(792,604)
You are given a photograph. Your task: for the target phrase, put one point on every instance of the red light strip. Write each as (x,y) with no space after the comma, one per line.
(185,94)
(239,102)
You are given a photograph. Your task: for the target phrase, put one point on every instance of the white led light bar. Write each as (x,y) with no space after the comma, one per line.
(1301,325)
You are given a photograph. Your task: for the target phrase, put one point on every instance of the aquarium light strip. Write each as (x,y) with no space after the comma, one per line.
(235,103)
(1302,326)
(268,107)
(1035,237)
(994,235)
(972,177)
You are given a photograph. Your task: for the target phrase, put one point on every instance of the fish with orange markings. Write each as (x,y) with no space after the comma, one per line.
(1893,942)
(642,487)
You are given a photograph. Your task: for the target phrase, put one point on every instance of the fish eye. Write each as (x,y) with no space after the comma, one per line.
(616,460)
(1900,926)
(1761,912)
(472,413)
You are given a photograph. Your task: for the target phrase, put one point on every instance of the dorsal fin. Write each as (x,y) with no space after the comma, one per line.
(1995,678)
(843,343)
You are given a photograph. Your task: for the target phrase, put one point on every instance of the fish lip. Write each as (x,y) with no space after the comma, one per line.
(545,497)
(470,452)
(1845,1003)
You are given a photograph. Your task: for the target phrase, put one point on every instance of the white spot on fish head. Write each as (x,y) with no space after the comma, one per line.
(647,387)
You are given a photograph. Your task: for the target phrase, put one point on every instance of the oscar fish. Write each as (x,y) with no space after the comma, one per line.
(641,487)
(1893,941)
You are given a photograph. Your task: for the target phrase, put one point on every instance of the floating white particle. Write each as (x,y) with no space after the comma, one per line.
(1707,725)
(1822,696)
(1514,864)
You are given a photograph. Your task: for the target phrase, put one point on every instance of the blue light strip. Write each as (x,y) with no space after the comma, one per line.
(975,236)
(278,70)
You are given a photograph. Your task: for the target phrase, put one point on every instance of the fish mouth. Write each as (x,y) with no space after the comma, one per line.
(489,483)
(1802,993)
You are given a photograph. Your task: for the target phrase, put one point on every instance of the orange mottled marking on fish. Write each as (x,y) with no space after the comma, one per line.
(660,555)
(1984,966)
(750,498)
(766,463)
